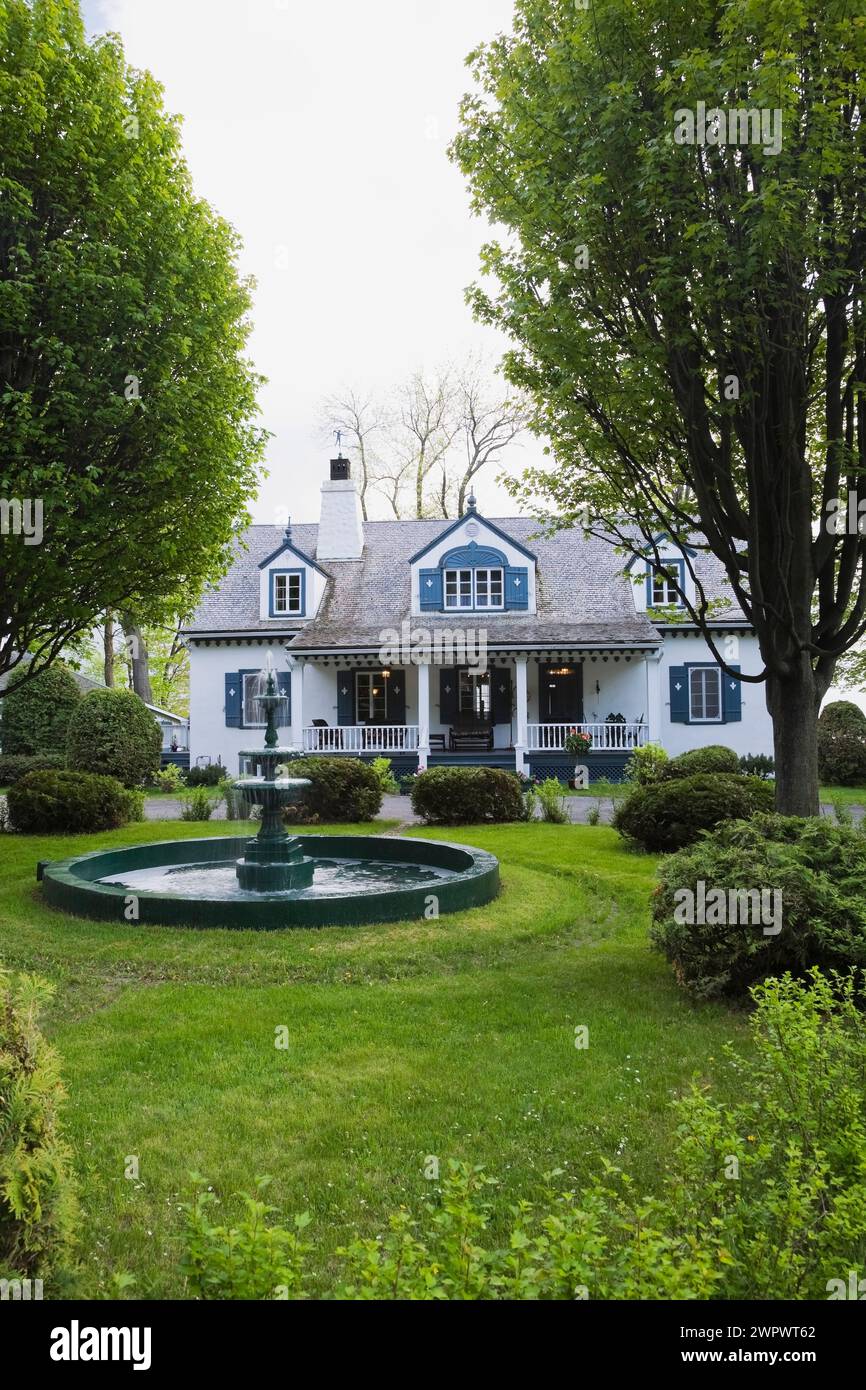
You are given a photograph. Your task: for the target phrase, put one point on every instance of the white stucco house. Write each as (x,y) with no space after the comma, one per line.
(475,640)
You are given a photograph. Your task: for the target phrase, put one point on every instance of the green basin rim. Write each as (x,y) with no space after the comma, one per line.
(70,884)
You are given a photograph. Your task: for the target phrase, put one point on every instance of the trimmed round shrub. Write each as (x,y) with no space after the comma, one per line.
(38,1212)
(35,717)
(714,758)
(813,913)
(112,732)
(44,802)
(671,814)
(15,765)
(841,758)
(842,745)
(843,714)
(467,795)
(343,789)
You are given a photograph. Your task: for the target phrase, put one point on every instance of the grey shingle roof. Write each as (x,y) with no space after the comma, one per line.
(583,596)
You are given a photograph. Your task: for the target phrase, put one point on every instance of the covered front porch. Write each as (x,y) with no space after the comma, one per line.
(513,709)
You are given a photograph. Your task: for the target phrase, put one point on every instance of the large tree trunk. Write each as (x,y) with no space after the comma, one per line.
(139,662)
(108,650)
(793,703)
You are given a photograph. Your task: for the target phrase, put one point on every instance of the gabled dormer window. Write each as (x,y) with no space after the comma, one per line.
(474,588)
(287,593)
(662,585)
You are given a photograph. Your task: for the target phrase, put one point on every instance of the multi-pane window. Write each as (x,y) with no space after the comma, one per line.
(705,695)
(371,697)
(473,588)
(288,593)
(253,711)
(663,588)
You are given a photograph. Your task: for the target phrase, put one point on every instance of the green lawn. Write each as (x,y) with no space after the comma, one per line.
(452,1038)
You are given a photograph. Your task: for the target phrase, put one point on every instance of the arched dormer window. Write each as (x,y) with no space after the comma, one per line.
(473,577)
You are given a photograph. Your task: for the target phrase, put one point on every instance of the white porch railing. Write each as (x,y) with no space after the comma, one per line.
(362,738)
(605,737)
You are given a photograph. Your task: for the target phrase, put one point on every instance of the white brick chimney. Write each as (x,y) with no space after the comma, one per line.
(341,525)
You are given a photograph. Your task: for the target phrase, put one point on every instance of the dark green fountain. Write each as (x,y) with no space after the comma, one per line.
(275,879)
(273,860)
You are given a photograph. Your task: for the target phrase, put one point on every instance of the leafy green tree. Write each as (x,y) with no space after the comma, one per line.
(686,296)
(35,717)
(128,408)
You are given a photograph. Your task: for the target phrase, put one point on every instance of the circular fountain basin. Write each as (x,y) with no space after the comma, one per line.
(357,879)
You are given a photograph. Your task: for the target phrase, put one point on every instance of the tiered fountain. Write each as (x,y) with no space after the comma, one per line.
(273,879)
(273,860)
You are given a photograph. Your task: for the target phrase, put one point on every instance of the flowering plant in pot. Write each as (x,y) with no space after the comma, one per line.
(577,744)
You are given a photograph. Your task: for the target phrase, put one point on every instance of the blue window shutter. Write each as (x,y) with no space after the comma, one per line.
(284,685)
(732,705)
(679,695)
(430,589)
(447,694)
(345,697)
(396,713)
(516,587)
(500,683)
(233,700)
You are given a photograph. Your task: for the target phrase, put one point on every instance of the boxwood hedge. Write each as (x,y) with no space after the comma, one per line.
(667,815)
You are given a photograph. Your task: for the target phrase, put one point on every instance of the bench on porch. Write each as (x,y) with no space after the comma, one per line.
(467,740)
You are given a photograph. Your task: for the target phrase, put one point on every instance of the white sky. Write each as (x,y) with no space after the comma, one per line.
(320,132)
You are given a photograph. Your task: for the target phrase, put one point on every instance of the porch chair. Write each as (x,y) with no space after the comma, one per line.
(322,743)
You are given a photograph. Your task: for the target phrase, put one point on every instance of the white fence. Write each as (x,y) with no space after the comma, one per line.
(605,737)
(362,738)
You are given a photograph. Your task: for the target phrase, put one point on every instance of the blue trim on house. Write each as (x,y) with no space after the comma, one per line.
(662,536)
(287,612)
(730,702)
(503,535)
(473,556)
(607,766)
(287,545)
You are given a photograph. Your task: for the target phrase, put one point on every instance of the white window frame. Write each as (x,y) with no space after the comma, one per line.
(465,588)
(288,578)
(704,672)
(246,722)
(672,599)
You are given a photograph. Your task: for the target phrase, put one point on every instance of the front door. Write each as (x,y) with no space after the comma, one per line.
(473,698)
(561,694)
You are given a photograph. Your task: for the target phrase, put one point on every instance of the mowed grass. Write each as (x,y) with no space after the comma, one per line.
(452,1038)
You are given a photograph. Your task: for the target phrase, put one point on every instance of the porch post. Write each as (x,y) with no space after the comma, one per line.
(423,715)
(297,669)
(520,666)
(653,664)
